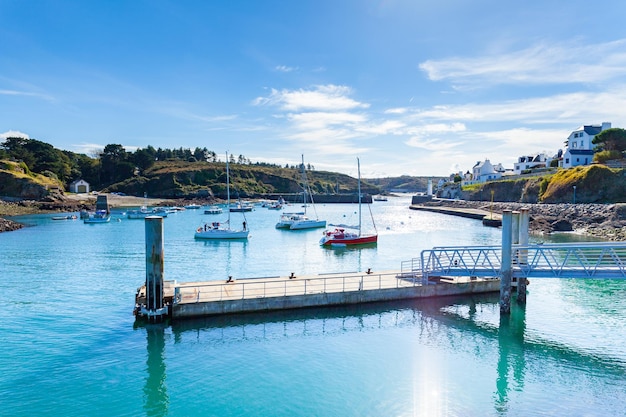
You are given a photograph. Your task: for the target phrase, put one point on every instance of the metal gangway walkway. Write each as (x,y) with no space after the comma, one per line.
(595,260)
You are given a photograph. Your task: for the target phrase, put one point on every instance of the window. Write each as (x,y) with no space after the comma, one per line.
(567,160)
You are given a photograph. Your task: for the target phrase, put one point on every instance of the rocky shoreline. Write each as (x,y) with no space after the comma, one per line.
(604,221)
(69,204)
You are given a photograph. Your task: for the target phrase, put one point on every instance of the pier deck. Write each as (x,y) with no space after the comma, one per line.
(192,299)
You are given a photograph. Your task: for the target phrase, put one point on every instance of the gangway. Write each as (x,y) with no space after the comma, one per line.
(595,260)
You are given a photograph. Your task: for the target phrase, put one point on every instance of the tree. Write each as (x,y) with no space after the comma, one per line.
(112,158)
(613,139)
(144,158)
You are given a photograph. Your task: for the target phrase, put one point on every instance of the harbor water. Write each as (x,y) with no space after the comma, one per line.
(70,346)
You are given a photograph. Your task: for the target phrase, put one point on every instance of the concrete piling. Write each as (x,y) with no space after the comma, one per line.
(505,268)
(155,310)
(524,222)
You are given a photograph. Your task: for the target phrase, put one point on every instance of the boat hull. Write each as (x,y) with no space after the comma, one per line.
(307,224)
(222,234)
(347,239)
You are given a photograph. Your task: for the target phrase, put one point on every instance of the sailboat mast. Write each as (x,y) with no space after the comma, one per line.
(228,188)
(358,164)
(304,185)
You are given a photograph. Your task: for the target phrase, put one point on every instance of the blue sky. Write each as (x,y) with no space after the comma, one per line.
(410,86)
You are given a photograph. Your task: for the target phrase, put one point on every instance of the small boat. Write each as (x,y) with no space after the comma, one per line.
(300,221)
(213,210)
(99,216)
(276,205)
(380,198)
(143,212)
(217,230)
(340,237)
(240,207)
(68,217)
(193,206)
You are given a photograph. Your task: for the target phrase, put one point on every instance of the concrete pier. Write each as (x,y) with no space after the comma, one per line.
(281,293)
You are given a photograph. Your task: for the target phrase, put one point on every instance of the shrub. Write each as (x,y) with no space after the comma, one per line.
(603,156)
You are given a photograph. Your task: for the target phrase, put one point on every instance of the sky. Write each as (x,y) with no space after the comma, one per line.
(410,87)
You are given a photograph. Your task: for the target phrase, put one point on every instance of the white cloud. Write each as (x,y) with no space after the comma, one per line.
(322,97)
(26,94)
(284,68)
(13,134)
(539,64)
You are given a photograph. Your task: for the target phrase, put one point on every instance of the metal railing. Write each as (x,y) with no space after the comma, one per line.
(282,287)
(598,260)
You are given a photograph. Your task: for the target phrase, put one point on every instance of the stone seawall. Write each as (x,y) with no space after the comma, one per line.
(605,221)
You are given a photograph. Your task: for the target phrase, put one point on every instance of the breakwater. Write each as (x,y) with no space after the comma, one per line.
(605,221)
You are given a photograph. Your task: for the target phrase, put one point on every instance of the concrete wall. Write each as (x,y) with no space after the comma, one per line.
(330,299)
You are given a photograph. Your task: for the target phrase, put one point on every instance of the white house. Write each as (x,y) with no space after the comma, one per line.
(579,149)
(482,172)
(79,186)
(529,162)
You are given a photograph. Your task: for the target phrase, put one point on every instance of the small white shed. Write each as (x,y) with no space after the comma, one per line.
(79,187)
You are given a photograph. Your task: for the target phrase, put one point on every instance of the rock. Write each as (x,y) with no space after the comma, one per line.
(8,225)
(562,225)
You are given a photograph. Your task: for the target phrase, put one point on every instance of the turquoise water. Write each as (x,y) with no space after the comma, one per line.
(70,347)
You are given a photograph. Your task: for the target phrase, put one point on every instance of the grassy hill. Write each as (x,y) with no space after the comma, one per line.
(182,179)
(17,181)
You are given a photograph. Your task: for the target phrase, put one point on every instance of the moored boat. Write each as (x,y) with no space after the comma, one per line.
(99,216)
(217,230)
(300,221)
(213,210)
(342,237)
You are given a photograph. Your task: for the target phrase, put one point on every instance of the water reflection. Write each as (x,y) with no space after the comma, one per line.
(463,325)
(510,356)
(155,396)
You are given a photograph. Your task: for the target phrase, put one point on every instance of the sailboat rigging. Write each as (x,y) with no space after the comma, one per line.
(217,230)
(300,220)
(342,237)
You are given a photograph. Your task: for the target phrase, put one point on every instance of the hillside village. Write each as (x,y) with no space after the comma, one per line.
(579,151)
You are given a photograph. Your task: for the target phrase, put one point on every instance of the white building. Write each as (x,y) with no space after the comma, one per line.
(579,149)
(79,186)
(530,162)
(482,172)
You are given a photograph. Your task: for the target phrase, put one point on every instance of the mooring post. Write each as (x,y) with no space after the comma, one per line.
(155,309)
(505,268)
(524,224)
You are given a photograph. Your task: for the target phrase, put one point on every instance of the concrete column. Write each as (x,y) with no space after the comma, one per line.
(515,227)
(154,263)
(523,256)
(505,269)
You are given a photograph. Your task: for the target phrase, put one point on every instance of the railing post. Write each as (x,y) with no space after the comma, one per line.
(505,269)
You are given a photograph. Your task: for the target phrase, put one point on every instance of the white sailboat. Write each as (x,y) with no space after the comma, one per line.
(300,220)
(217,230)
(342,237)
